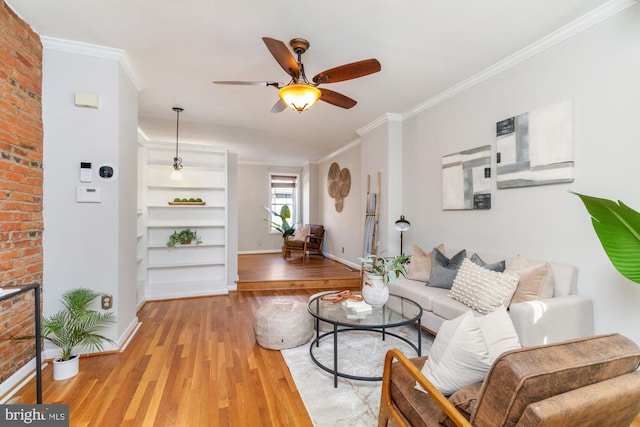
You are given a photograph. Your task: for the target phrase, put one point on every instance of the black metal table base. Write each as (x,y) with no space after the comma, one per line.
(335,372)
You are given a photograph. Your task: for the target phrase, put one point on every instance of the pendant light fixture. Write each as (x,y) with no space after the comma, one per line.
(176,174)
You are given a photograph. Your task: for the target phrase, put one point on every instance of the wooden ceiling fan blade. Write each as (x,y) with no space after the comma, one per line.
(283,56)
(348,71)
(279,106)
(247,83)
(337,99)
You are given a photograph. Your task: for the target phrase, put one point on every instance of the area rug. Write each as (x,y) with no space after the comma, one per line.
(353,402)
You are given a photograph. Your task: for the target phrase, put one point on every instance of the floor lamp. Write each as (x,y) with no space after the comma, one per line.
(402,225)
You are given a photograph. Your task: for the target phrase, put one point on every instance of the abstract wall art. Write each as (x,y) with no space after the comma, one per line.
(536,148)
(466,179)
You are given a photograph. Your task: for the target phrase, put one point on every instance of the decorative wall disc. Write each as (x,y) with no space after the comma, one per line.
(338,184)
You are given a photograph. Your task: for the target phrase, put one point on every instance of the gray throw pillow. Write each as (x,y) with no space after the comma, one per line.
(496,266)
(444,270)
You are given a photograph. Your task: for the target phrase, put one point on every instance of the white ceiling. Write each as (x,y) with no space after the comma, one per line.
(178,48)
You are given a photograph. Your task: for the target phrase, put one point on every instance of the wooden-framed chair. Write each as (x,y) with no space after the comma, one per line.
(305,242)
(592,381)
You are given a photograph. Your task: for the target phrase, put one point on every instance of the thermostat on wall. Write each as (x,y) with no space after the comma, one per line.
(107,171)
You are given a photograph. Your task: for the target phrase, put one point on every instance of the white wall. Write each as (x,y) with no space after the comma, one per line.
(310,195)
(599,70)
(232,220)
(373,149)
(89,244)
(253,196)
(126,181)
(343,229)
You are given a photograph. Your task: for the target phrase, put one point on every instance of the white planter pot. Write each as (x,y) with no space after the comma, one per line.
(374,291)
(63,369)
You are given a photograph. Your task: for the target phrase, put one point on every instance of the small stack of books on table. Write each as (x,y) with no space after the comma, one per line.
(356,309)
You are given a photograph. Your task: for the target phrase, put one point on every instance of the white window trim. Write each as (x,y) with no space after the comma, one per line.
(298,193)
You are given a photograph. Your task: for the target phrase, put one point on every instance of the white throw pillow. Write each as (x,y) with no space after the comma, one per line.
(499,332)
(459,355)
(482,289)
(302,232)
(465,348)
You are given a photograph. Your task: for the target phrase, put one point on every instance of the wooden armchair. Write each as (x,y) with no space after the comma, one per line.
(306,242)
(590,381)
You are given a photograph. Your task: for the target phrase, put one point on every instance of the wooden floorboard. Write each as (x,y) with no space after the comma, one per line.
(273,272)
(193,362)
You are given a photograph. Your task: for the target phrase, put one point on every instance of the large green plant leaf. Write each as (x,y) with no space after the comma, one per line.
(283,227)
(618,228)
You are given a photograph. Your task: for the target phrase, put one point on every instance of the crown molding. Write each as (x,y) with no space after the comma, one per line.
(585,22)
(385,118)
(340,150)
(96,51)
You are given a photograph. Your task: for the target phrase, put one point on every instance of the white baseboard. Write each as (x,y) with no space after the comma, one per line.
(130,337)
(343,261)
(18,380)
(128,334)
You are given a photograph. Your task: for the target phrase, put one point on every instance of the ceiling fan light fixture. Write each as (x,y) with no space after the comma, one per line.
(299,97)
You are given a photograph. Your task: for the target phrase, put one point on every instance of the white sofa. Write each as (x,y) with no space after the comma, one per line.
(564,316)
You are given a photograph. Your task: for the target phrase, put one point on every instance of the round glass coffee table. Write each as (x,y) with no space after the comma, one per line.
(398,311)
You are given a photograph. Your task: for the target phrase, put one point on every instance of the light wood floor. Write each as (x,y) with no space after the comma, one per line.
(271,271)
(194,362)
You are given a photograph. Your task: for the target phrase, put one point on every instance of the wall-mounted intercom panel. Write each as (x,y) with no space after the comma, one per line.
(85,172)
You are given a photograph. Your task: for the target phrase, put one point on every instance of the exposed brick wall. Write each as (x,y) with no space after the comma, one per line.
(21,145)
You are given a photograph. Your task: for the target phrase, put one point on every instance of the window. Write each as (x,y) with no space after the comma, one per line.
(284,191)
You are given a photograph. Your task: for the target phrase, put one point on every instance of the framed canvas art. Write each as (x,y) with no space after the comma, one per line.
(466,179)
(536,148)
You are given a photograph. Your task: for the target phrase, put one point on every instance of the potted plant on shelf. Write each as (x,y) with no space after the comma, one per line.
(377,272)
(183,237)
(283,226)
(75,325)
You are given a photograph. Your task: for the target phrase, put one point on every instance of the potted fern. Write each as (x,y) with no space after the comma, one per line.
(75,325)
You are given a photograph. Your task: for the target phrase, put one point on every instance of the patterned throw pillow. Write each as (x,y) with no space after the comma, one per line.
(444,269)
(482,289)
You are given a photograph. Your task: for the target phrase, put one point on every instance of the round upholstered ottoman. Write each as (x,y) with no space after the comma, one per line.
(283,324)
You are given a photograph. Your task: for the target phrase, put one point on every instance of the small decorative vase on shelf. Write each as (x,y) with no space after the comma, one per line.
(375,291)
